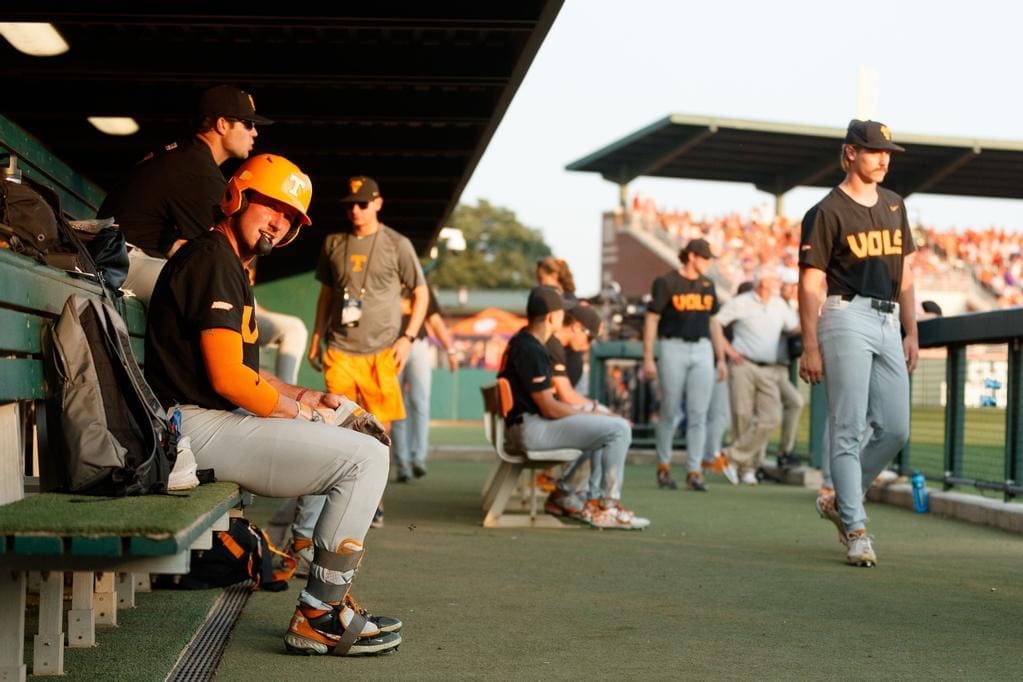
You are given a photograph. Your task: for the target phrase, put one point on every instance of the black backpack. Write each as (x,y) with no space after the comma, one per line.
(34,225)
(243,552)
(104,431)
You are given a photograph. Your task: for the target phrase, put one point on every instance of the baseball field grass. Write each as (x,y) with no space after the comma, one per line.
(735,583)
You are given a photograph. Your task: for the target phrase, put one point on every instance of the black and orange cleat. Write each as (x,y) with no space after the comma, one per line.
(664,479)
(694,481)
(338,631)
(382,623)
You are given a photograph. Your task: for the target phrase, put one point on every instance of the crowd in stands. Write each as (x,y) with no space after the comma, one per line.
(945,258)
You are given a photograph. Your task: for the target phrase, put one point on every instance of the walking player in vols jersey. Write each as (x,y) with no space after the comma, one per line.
(856,241)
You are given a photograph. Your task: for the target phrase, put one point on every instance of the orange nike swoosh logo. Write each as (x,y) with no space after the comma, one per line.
(893,208)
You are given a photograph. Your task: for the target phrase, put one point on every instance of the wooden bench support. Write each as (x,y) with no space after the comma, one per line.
(105,600)
(142,582)
(125,588)
(48,646)
(81,619)
(12,626)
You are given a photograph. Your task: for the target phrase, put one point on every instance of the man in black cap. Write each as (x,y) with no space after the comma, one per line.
(358,340)
(540,421)
(171,196)
(680,322)
(855,242)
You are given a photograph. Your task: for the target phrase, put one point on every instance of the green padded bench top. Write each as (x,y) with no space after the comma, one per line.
(56,524)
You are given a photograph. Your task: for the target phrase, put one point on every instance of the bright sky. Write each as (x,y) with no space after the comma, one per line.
(609,67)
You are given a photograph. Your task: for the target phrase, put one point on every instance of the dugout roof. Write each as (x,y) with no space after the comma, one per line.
(407,92)
(777,157)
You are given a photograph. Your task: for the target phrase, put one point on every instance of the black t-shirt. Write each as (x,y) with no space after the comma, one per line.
(527,367)
(860,248)
(565,362)
(204,286)
(685,306)
(173,195)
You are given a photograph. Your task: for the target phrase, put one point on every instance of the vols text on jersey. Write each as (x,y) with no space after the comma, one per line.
(692,302)
(876,242)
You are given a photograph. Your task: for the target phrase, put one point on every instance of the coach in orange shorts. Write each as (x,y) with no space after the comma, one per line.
(358,340)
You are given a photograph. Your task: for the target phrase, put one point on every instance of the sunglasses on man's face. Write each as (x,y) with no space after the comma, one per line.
(363,205)
(249,125)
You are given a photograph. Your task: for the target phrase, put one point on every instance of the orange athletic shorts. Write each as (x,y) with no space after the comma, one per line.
(369,380)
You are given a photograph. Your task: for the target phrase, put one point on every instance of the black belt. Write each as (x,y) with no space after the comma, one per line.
(687,339)
(513,421)
(875,303)
(762,364)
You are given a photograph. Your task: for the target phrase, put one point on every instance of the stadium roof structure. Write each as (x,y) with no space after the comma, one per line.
(407,92)
(777,157)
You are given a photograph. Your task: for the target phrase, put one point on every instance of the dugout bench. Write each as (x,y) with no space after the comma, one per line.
(111,545)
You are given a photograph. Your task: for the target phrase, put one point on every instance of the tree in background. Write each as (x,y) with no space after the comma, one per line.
(501,252)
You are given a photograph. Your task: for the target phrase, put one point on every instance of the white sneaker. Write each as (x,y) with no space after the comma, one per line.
(885,477)
(749,477)
(861,550)
(616,516)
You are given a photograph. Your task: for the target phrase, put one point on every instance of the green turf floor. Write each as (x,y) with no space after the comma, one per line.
(736,583)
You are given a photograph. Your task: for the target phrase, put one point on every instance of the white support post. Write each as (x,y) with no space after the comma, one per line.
(125,590)
(81,619)
(48,646)
(106,600)
(12,626)
(142,583)
(12,467)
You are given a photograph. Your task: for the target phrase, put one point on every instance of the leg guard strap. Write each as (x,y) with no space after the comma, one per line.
(349,561)
(351,634)
(328,593)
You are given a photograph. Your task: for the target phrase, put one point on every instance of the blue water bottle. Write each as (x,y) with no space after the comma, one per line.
(920,493)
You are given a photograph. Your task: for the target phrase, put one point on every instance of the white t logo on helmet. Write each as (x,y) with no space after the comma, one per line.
(294,184)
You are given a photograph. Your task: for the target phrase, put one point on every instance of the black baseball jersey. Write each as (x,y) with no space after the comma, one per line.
(685,306)
(173,195)
(527,367)
(565,362)
(204,286)
(860,248)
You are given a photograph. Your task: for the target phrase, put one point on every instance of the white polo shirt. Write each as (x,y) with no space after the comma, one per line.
(758,325)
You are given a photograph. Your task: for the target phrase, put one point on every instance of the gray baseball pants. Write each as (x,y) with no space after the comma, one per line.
(291,458)
(684,368)
(603,439)
(867,384)
(719,417)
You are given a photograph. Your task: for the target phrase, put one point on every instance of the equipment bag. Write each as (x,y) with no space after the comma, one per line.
(243,552)
(104,431)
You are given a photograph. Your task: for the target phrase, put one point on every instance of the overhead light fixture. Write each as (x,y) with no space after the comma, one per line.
(36,39)
(115,125)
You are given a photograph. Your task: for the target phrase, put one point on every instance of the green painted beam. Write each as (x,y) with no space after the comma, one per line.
(21,379)
(79,197)
(93,546)
(38,545)
(19,332)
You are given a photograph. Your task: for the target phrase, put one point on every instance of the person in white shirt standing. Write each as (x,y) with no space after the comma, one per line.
(760,317)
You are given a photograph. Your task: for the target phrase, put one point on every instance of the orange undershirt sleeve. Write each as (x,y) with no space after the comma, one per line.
(222,352)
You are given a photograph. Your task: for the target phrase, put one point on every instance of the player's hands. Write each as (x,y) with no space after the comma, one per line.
(722,370)
(452,362)
(350,416)
(735,356)
(316,357)
(649,369)
(401,348)
(911,350)
(811,366)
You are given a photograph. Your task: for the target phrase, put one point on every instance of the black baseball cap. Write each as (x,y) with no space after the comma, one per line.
(587,317)
(230,102)
(870,135)
(698,246)
(543,300)
(361,188)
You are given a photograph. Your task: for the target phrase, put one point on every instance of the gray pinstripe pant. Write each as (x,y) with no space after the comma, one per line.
(867,385)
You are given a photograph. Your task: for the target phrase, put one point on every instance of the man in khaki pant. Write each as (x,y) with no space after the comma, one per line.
(760,316)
